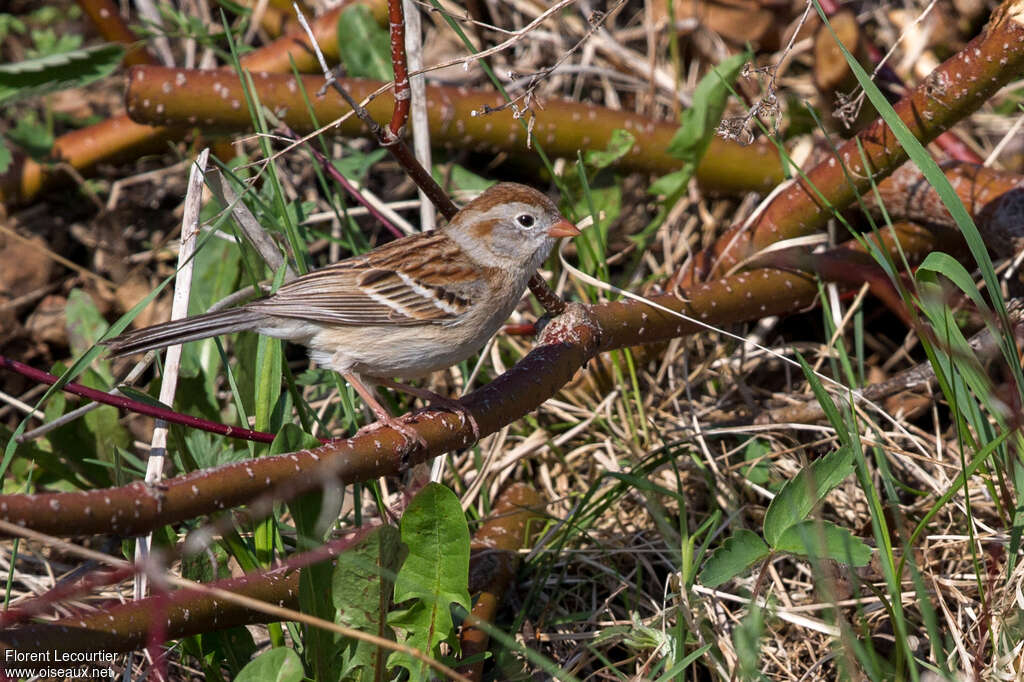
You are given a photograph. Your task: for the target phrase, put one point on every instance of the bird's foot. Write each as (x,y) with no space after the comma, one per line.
(412,437)
(437,401)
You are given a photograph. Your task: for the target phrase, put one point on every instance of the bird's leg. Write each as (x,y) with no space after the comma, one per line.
(384,418)
(435,400)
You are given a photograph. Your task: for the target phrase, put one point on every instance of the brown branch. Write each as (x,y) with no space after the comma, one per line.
(566,344)
(403,93)
(955,89)
(494,564)
(185,612)
(985,347)
(565,126)
(106,17)
(119,136)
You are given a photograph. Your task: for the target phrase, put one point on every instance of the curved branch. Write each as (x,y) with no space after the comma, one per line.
(183,97)
(955,89)
(567,343)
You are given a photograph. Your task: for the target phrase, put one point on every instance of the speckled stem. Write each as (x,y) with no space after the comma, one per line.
(494,565)
(402,91)
(119,137)
(215,101)
(566,345)
(124,627)
(106,17)
(954,90)
(994,198)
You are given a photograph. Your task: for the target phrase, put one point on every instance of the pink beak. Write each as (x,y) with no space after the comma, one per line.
(563,228)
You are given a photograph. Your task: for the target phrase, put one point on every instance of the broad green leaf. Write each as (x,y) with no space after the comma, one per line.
(755,452)
(232,648)
(34,138)
(435,574)
(291,438)
(85,325)
(618,146)
(73,69)
(361,588)
(798,497)
(592,244)
(824,539)
(49,43)
(671,183)
(737,554)
(461,177)
(363,45)
(356,164)
(699,123)
(10,24)
(276,665)
(214,276)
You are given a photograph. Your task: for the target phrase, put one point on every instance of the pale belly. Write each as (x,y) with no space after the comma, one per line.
(398,352)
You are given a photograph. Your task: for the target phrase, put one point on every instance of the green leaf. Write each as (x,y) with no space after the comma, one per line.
(746,640)
(10,24)
(364,47)
(214,275)
(5,156)
(231,648)
(824,539)
(47,43)
(618,146)
(738,553)
(592,245)
(825,400)
(699,123)
(291,438)
(356,164)
(952,269)
(85,327)
(758,471)
(435,574)
(671,184)
(942,186)
(72,69)
(361,589)
(35,139)
(276,665)
(798,497)
(460,177)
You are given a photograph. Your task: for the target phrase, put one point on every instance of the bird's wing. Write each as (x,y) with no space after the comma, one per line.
(420,279)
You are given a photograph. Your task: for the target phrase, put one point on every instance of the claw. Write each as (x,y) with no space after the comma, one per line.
(411,436)
(436,401)
(455,407)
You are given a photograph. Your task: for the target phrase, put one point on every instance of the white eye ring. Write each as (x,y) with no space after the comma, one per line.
(525,220)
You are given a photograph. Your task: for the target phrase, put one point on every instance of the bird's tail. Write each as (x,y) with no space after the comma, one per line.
(189,329)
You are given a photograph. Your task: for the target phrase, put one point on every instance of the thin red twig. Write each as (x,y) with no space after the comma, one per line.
(124,403)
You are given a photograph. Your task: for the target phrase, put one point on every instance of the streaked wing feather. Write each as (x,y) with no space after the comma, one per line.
(411,281)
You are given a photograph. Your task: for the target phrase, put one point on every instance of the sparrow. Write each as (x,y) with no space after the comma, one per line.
(403,310)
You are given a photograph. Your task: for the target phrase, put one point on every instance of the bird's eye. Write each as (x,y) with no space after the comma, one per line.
(525,220)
